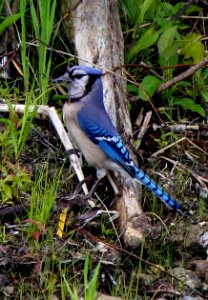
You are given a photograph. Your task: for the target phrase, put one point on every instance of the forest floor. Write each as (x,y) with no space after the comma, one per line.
(171,262)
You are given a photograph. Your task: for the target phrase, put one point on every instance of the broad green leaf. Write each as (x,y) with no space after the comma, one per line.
(205,95)
(193,47)
(9,21)
(205,74)
(196,51)
(184,84)
(6,192)
(166,39)
(148,39)
(193,9)
(165,11)
(144,8)
(177,7)
(131,88)
(171,51)
(132,9)
(189,104)
(169,58)
(148,86)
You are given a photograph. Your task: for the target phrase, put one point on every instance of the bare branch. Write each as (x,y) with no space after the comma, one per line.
(183,75)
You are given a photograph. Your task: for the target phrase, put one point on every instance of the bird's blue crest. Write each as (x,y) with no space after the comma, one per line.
(88,70)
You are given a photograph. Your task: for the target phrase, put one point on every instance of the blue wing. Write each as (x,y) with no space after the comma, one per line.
(108,140)
(111,144)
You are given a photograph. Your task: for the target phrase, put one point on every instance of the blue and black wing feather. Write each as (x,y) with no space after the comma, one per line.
(108,140)
(111,144)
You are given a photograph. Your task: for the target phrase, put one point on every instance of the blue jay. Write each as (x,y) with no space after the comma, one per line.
(94,133)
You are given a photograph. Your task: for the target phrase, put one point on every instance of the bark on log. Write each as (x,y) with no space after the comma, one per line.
(95,29)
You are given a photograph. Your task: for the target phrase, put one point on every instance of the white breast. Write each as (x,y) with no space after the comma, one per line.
(92,153)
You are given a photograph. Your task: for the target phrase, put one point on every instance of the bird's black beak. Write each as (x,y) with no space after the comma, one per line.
(63,78)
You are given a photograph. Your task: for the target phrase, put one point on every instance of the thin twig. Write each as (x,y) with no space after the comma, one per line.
(176,142)
(181,128)
(178,165)
(143,128)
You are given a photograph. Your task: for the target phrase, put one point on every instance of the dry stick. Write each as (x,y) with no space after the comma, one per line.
(167,147)
(194,17)
(143,128)
(176,142)
(152,71)
(183,75)
(178,165)
(67,144)
(181,127)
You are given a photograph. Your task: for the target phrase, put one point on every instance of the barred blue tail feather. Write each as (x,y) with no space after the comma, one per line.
(157,190)
(116,150)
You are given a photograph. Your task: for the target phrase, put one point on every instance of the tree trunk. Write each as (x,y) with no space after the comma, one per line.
(96,32)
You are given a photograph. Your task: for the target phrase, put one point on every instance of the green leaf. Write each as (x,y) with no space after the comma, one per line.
(149,86)
(131,88)
(169,58)
(193,48)
(9,21)
(189,104)
(92,286)
(13,132)
(177,7)
(184,84)
(166,39)
(132,9)
(205,74)
(193,9)
(161,15)
(144,8)
(6,192)
(148,39)
(35,21)
(205,95)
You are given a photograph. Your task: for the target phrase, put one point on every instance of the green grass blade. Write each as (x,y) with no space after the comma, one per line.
(25,64)
(9,21)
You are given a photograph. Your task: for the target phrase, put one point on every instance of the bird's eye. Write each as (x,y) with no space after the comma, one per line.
(79,76)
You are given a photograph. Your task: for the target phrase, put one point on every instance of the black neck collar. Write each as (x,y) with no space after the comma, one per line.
(92,80)
(72,100)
